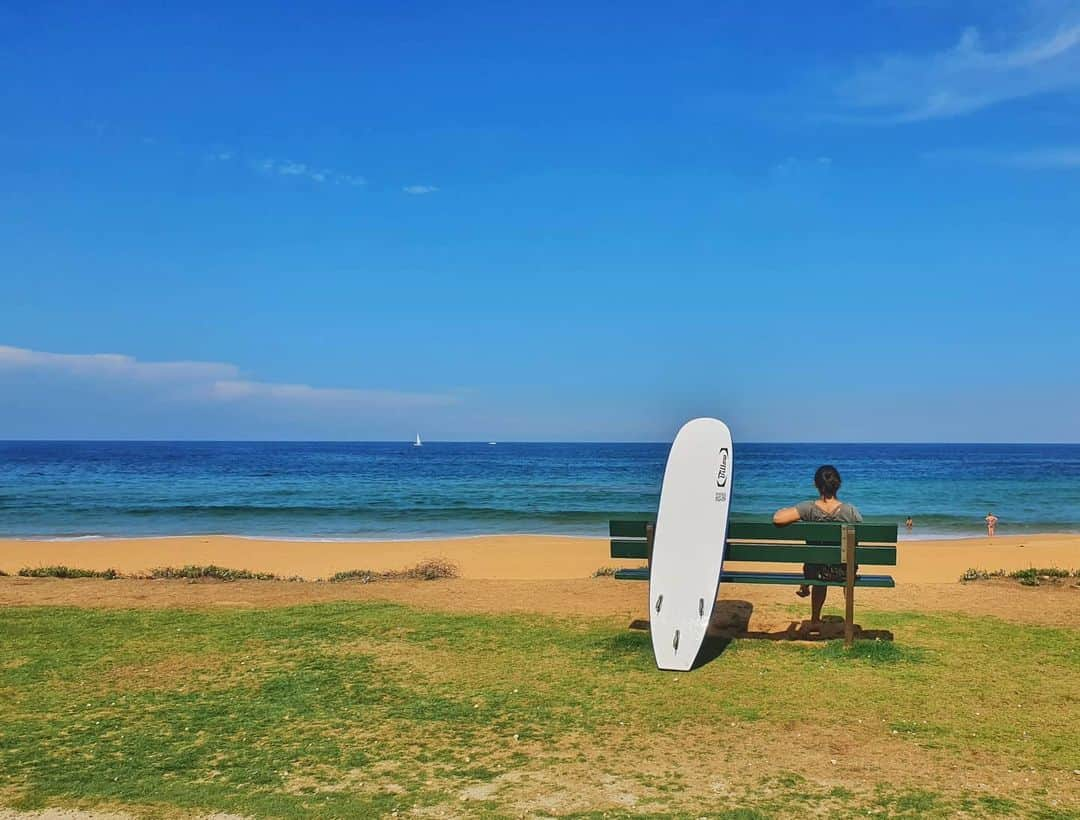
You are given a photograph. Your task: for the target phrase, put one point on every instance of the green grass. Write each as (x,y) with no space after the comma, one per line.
(348,710)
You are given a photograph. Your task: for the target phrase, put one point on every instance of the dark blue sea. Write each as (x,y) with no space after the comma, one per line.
(394,490)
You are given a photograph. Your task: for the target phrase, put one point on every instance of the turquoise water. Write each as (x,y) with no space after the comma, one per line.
(394,490)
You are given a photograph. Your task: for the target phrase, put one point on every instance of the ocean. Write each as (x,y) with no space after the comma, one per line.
(383,490)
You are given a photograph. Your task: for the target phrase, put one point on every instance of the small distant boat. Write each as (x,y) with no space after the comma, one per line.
(492,443)
(418,442)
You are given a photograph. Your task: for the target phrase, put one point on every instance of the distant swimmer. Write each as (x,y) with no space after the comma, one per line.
(909,523)
(991,524)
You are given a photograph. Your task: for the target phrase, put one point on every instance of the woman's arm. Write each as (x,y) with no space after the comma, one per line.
(785,516)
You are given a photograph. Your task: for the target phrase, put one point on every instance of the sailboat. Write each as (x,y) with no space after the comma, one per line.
(418,442)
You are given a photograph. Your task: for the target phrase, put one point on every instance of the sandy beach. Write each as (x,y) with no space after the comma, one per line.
(514,557)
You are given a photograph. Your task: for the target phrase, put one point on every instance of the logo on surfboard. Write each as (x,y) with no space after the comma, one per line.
(722,473)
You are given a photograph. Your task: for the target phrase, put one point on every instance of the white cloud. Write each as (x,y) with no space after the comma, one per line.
(792,166)
(207,382)
(1061,158)
(1067,158)
(970,75)
(418,190)
(289,168)
(114,365)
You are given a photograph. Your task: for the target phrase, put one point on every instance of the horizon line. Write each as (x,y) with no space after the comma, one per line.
(487,441)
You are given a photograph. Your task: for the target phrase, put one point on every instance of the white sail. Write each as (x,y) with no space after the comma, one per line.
(418,443)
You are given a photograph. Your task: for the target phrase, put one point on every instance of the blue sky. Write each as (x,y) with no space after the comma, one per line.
(833,221)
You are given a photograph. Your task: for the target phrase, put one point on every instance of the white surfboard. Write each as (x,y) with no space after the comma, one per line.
(688,544)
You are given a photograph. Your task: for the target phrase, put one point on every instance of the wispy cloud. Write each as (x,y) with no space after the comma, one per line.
(208,382)
(1067,158)
(1060,158)
(969,75)
(792,166)
(418,190)
(290,168)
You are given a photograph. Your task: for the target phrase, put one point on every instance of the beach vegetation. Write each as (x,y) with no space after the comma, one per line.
(431,569)
(194,572)
(604,572)
(61,571)
(367,708)
(1034,577)
(973,574)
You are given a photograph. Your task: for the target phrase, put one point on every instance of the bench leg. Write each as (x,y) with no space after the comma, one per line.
(849,586)
(650,532)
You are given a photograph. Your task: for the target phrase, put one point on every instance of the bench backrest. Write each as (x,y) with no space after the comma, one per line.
(763,541)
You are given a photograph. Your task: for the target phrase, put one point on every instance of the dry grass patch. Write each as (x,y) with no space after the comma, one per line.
(431,569)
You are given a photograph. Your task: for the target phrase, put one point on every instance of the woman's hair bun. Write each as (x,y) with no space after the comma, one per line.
(827,480)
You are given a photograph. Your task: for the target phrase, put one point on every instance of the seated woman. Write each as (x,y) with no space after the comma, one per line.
(825,508)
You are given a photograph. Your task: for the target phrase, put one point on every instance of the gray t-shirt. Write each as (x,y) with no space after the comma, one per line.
(845,513)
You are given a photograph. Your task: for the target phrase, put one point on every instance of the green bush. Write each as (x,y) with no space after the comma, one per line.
(61,571)
(429,570)
(1033,576)
(196,573)
(973,574)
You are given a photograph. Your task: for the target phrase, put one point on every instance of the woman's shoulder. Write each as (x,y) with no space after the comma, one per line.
(809,510)
(849,512)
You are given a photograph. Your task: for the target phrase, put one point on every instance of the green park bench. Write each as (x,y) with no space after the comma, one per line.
(764,542)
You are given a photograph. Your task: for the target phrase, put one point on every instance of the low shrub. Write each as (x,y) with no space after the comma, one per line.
(198,573)
(430,570)
(604,572)
(61,571)
(1033,576)
(973,574)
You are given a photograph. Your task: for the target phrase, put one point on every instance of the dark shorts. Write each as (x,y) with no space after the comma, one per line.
(826,572)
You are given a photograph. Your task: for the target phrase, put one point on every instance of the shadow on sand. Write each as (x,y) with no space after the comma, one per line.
(731,620)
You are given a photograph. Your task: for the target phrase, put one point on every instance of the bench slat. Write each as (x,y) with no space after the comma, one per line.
(772,553)
(630,527)
(796,578)
(805,532)
(637,548)
(811,533)
(789,578)
(784,554)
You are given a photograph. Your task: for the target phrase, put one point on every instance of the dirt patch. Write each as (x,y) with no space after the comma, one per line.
(595,597)
(747,765)
(204,671)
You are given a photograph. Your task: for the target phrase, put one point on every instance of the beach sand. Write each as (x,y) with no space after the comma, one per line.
(511,557)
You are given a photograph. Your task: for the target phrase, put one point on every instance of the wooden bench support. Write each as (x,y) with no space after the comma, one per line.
(848,539)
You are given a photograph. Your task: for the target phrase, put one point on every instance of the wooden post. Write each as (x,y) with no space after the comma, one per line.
(848,542)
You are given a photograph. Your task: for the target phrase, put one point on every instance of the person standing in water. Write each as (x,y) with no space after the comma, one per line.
(909,523)
(827,507)
(991,524)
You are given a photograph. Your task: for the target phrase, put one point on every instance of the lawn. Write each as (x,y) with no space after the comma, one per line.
(348,710)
